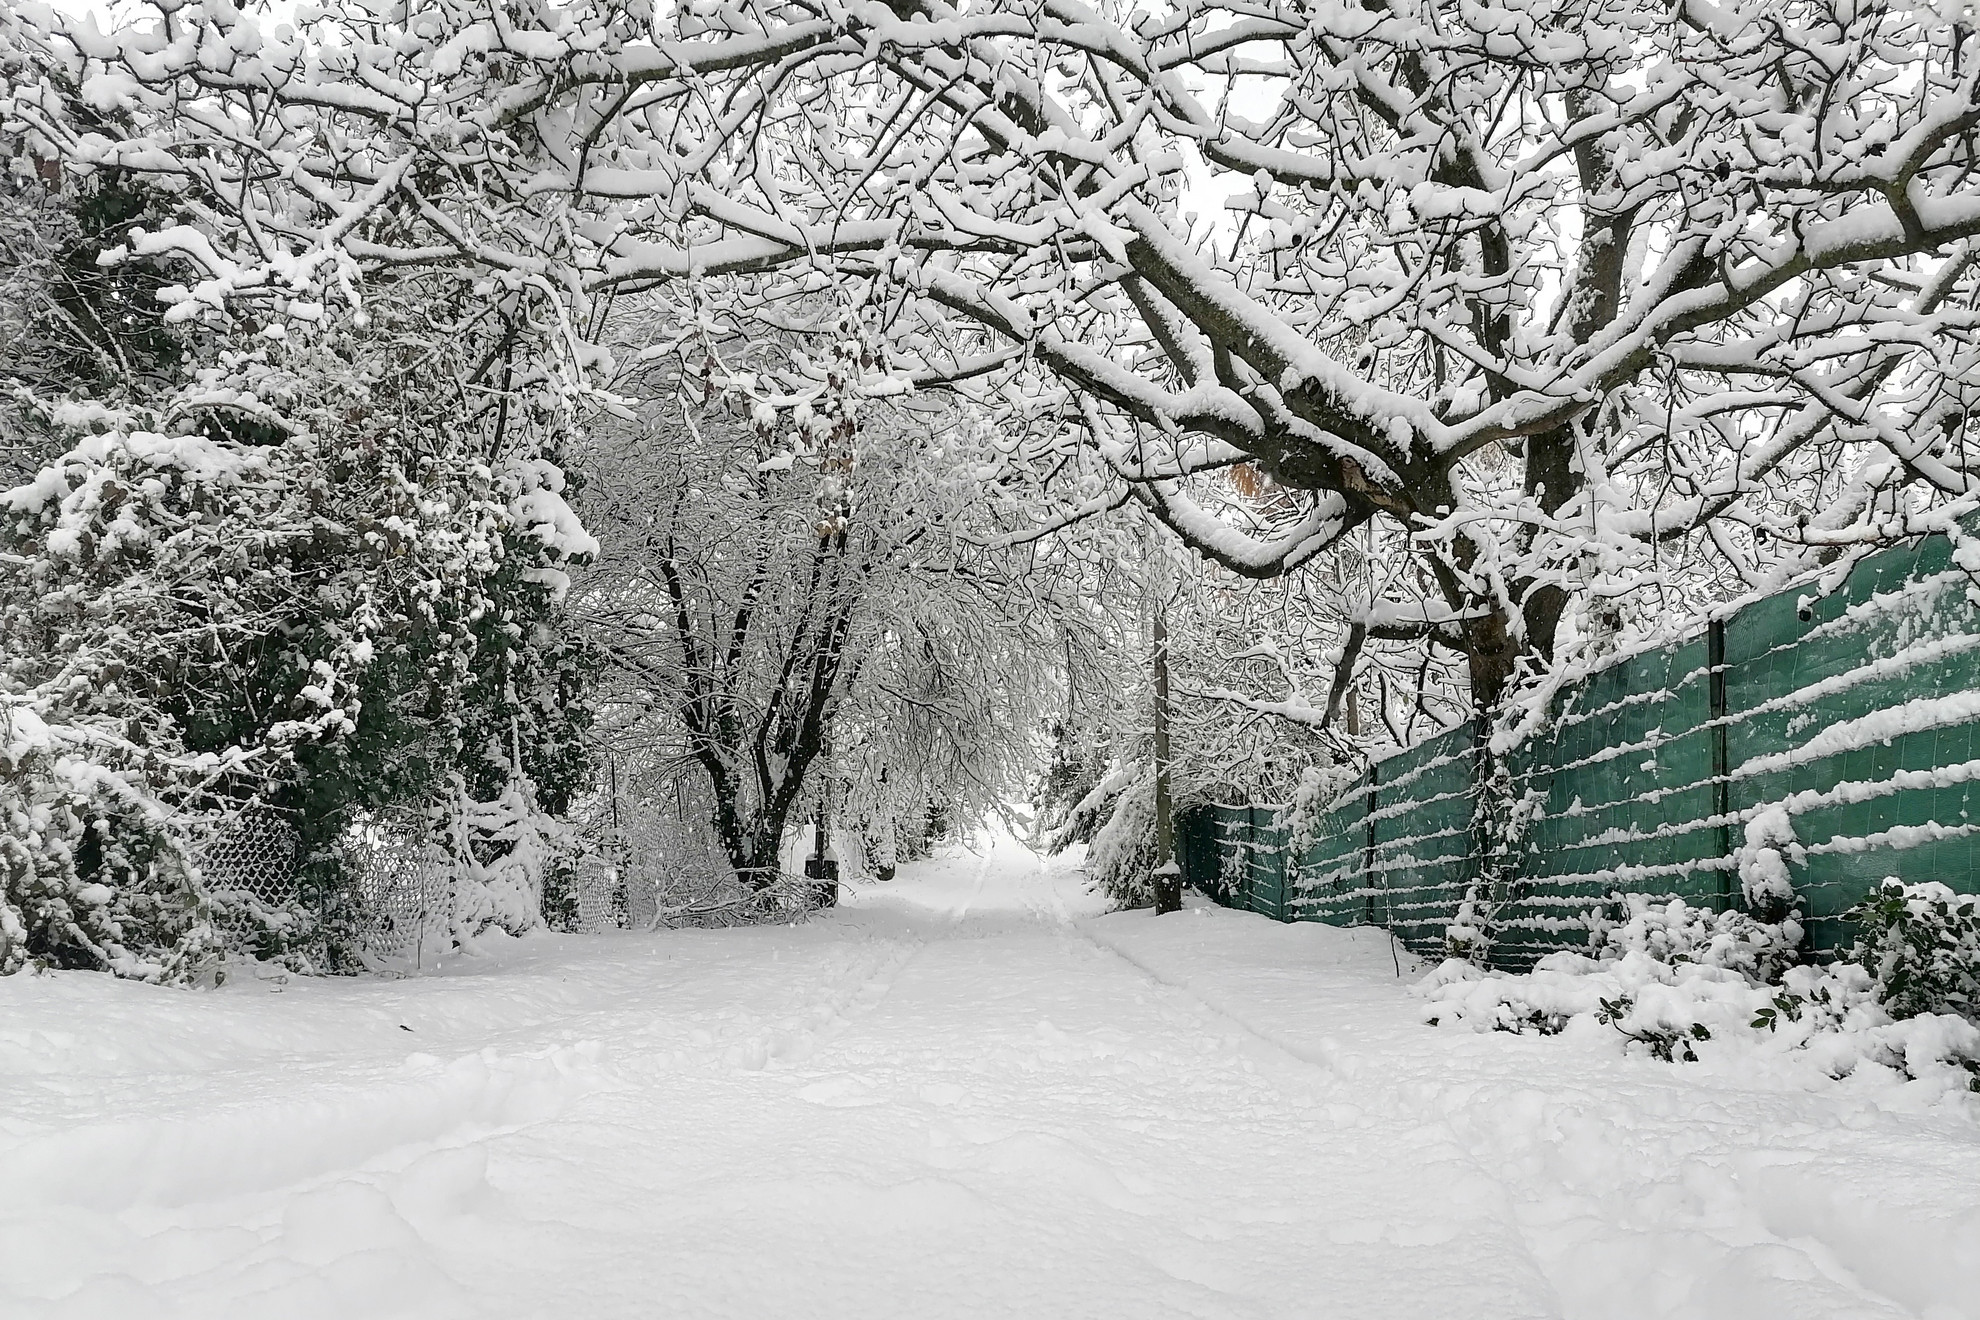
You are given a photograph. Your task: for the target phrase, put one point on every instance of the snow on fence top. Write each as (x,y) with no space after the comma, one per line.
(1854,718)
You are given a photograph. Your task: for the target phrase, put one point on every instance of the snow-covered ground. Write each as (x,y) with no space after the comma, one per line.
(963,1094)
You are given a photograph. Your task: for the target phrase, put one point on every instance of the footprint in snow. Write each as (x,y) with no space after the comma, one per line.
(941,1093)
(847,1092)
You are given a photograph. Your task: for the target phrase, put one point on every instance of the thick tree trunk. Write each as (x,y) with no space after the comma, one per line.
(751,843)
(766,848)
(1490,659)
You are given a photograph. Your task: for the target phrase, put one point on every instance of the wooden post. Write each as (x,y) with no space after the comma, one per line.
(1167,879)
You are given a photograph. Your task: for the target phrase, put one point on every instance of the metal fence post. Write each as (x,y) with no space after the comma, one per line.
(1251,857)
(1368,847)
(1715,666)
(1286,869)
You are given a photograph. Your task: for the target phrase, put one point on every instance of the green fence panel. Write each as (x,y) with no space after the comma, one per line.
(1627,801)
(1269,893)
(1231,858)
(1421,859)
(1332,874)
(1855,712)
(1852,705)
(1197,838)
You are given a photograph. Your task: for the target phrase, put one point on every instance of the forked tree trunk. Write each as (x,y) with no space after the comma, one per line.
(791,733)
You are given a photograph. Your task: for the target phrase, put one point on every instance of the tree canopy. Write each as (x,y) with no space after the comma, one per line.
(1565,297)
(1497,333)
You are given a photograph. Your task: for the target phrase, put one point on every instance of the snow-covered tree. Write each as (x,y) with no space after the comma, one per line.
(1576,303)
(1249,712)
(1567,295)
(312,565)
(1515,327)
(792,608)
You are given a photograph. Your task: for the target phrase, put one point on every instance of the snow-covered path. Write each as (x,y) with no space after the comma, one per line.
(962,1094)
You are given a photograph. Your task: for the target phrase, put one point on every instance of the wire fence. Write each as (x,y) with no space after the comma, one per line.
(396,902)
(250,870)
(401,891)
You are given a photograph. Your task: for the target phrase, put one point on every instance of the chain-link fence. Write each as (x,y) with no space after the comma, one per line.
(396,906)
(400,887)
(396,902)
(249,867)
(645,894)
(604,901)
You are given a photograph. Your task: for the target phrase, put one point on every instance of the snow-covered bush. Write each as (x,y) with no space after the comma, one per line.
(1839,1015)
(1920,945)
(1078,816)
(287,532)
(1677,932)
(1089,796)
(1765,882)
(509,856)
(89,877)
(1657,1002)
(1071,796)
(1672,977)
(297,582)
(1121,858)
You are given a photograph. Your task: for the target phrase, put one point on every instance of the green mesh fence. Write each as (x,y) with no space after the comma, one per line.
(1852,706)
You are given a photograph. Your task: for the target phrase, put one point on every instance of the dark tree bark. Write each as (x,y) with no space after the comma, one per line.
(779,749)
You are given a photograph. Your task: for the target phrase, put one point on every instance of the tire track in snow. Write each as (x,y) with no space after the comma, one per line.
(1319,1144)
(1304,1075)
(841,1004)
(1334,1072)
(853,998)
(1255,1042)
